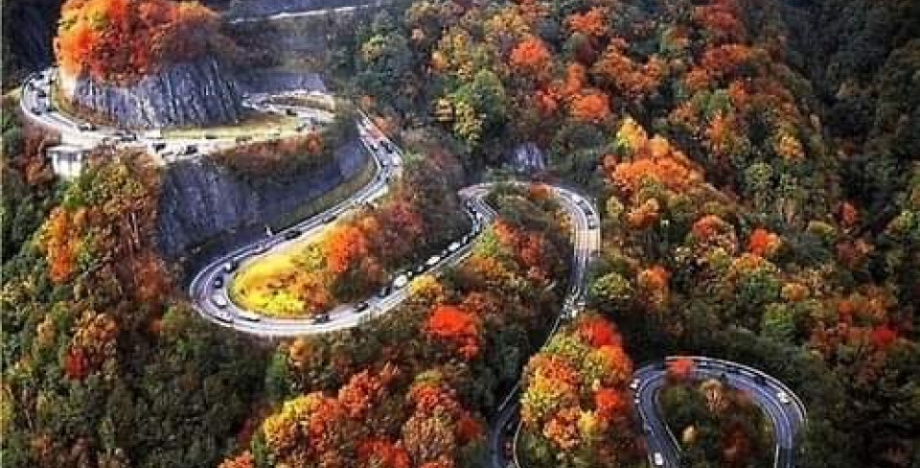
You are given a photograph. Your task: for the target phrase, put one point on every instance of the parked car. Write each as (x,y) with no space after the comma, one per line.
(292,234)
(86,127)
(231,266)
(361,307)
(218,282)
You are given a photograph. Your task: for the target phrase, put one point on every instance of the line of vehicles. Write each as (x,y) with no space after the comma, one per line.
(375,142)
(403,278)
(219,299)
(592,218)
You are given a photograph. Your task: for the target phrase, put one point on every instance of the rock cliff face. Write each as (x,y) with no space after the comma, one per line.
(193,93)
(203,201)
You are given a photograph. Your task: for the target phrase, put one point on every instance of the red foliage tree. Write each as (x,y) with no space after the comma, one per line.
(457,326)
(597,332)
(681,368)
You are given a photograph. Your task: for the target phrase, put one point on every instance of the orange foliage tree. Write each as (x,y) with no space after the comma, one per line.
(530,55)
(591,106)
(591,23)
(120,40)
(575,394)
(344,246)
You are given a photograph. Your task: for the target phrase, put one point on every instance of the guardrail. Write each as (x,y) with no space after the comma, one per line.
(800,407)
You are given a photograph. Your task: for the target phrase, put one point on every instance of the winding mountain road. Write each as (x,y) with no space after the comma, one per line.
(208,289)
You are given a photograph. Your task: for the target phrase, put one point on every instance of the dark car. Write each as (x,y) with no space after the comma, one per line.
(218,282)
(231,266)
(210,136)
(321,318)
(361,307)
(290,112)
(292,234)
(330,218)
(384,291)
(41,93)
(387,146)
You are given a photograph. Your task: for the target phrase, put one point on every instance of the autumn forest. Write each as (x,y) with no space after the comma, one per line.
(755,170)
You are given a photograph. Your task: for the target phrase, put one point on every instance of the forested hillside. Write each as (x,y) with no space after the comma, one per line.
(756,164)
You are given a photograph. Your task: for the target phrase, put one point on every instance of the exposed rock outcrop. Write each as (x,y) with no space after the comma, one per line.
(192,93)
(203,201)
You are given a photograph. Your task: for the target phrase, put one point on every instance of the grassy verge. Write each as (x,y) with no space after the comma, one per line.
(264,285)
(253,123)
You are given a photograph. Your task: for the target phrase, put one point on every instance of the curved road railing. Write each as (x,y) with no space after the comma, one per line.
(785,410)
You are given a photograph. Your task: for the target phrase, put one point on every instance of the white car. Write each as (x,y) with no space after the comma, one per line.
(219,301)
(783,398)
(400,281)
(634,385)
(432,261)
(658,459)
